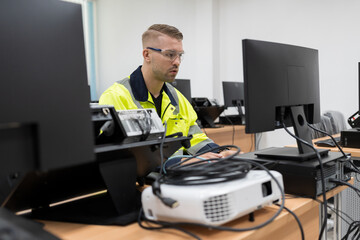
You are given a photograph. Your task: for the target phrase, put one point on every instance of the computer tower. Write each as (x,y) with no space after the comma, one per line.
(350,138)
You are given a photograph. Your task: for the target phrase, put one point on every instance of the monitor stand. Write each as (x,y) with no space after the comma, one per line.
(207,115)
(207,122)
(288,153)
(302,131)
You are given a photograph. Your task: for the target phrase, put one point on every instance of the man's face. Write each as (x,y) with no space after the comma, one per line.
(164,68)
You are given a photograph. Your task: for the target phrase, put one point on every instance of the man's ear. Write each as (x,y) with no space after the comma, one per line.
(146,55)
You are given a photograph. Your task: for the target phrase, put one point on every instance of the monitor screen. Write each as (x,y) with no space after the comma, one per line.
(234,95)
(43,88)
(281,86)
(184,86)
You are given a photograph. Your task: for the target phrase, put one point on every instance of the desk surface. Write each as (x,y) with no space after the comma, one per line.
(355,152)
(232,135)
(283,227)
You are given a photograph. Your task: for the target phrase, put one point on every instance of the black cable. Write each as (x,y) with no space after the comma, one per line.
(163,225)
(233,128)
(353,226)
(356,235)
(297,220)
(321,173)
(233,135)
(340,182)
(145,130)
(336,211)
(356,169)
(162,147)
(327,134)
(198,173)
(218,170)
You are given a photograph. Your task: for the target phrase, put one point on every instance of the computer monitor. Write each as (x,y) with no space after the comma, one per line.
(44,93)
(47,148)
(233,95)
(281,86)
(184,86)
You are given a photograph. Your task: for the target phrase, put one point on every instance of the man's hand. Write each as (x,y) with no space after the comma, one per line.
(209,155)
(228,153)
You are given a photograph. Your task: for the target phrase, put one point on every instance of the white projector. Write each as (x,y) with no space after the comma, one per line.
(214,204)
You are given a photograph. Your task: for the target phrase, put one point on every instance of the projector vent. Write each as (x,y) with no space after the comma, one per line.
(217,208)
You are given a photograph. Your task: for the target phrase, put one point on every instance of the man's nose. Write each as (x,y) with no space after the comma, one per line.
(177,61)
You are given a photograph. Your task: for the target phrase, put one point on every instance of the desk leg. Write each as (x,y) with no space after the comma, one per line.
(321,220)
(337,219)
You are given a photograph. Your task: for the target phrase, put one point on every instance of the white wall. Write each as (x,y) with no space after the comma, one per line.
(213,30)
(327,25)
(122,22)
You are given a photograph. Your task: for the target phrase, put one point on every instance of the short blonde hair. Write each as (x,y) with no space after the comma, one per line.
(157,29)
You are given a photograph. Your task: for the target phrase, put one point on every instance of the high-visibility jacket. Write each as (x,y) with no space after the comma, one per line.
(132,93)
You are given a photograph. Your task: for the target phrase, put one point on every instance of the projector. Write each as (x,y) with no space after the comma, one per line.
(216,203)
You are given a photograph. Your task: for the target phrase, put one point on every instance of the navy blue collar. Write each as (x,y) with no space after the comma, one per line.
(140,90)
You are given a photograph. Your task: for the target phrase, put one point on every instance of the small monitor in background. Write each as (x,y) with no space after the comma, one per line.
(233,97)
(184,86)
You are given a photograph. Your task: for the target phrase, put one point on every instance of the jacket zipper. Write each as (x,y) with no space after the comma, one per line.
(165,111)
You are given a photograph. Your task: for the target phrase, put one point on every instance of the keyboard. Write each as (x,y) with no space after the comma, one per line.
(328,142)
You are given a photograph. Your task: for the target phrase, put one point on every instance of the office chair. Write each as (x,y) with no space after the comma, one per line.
(324,125)
(337,120)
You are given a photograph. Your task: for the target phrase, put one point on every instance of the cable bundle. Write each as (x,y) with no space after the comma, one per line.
(206,171)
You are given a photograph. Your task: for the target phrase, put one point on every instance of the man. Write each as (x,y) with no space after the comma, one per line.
(148,87)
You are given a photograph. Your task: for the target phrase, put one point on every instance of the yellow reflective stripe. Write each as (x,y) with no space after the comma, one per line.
(126,83)
(198,142)
(194,129)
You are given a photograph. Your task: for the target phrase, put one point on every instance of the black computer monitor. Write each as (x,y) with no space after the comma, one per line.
(44,93)
(281,85)
(184,86)
(234,95)
(47,148)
